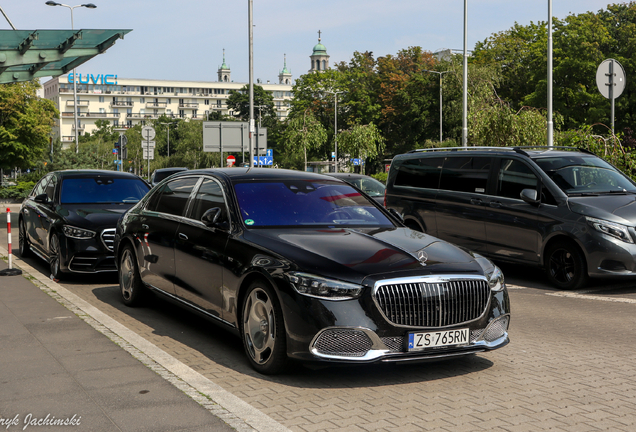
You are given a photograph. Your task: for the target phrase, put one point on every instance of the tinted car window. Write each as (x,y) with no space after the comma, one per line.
(97,190)
(422,173)
(209,196)
(371,186)
(39,188)
(174,196)
(513,177)
(465,174)
(292,203)
(49,190)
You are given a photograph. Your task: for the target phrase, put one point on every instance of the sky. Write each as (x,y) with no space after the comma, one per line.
(184,40)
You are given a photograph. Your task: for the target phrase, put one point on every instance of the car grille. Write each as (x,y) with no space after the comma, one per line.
(343,342)
(435,304)
(108,238)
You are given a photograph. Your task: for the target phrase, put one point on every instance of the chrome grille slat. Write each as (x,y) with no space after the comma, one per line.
(108,238)
(435,304)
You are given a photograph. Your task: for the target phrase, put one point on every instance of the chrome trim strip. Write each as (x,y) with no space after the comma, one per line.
(108,231)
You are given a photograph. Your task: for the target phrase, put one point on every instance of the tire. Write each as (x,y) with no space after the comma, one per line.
(54,257)
(263,329)
(565,266)
(131,288)
(414,226)
(23,241)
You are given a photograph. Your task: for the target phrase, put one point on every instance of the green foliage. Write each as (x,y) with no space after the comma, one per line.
(239,102)
(25,124)
(381,176)
(362,141)
(303,134)
(18,192)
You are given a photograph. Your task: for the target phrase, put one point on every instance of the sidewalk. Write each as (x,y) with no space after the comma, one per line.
(54,367)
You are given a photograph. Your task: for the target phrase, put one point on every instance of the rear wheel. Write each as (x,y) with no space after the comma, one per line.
(23,241)
(130,285)
(565,266)
(263,329)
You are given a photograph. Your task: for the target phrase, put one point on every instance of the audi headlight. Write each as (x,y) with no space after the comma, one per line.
(496,279)
(610,228)
(316,286)
(77,233)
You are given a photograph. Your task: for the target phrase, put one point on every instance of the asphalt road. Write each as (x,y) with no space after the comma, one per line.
(569,366)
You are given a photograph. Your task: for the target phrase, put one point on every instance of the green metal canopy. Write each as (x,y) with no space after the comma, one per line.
(28,54)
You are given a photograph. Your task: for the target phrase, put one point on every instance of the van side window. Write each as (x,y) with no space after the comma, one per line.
(420,173)
(465,174)
(513,177)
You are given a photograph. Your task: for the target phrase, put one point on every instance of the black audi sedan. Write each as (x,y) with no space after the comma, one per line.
(303,266)
(70,216)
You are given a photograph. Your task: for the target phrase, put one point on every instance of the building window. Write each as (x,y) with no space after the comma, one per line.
(324,65)
(101,98)
(207,102)
(181,113)
(194,113)
(142,100)
(168,100)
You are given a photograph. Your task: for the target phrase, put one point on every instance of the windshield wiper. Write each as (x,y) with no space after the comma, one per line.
(583,194)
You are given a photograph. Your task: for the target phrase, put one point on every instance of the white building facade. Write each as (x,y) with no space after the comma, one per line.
(126,102)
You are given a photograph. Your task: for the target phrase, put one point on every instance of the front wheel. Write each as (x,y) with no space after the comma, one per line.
(263,329)
(23,241)
(130,285)
(54,257)
(565,266)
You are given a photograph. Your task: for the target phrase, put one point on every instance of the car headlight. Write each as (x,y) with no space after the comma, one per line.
(496,279)
(77,233)
(610,228)
(316,286)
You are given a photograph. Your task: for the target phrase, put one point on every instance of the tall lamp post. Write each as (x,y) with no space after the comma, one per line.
(335,126)
(168,124)
(75,107)
(440,99)
(465,86)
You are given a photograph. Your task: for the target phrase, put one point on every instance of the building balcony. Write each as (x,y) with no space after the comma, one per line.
(192,105)
(156,104)
(68,139)
(144,116)
(80,128)
(80,103)
(121,103)
(95,115)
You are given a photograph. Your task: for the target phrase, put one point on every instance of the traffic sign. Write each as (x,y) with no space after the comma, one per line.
(231,160)
(263,160)
(148,132)
(269,153)
(115,151)
(148,144)
(610,79)
(149,153)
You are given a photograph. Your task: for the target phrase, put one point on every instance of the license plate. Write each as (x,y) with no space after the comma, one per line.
(420,341)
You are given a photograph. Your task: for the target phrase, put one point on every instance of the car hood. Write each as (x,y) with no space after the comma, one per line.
(358,255)
(617,208)
(93,216)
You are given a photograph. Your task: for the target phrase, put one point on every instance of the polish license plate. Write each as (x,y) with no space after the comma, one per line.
(420,341)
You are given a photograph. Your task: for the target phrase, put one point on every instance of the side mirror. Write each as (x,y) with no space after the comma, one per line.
(395,214)
(211,216)
(530,196)
(42,199)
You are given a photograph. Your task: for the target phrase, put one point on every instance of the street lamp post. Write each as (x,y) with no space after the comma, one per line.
(75,107)
(465,86)
(168,124)
(335,126)
(440,99)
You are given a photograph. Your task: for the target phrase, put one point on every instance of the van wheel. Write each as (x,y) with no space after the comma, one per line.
(414,226)
(565,266)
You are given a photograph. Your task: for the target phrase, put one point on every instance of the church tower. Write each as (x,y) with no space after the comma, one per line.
(319,58)
(284,77)
(224,71)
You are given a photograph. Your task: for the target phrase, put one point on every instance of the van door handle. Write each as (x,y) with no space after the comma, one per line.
(476,201)
(144,226)
(182,236)
(495,204)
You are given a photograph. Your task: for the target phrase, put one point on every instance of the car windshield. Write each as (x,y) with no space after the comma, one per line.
(585,175)
(305,202)
(370,186)
(101,190)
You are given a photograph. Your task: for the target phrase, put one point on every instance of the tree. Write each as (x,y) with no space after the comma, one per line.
(303,132)
(363,141)
(25,124)
(239,103)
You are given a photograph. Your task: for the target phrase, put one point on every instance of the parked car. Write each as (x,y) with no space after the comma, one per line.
(70,216)
(304,266)
(162,173)
(564,209)
(367,184)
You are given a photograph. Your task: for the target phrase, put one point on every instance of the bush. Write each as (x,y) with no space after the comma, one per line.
(18,192)
(381,177)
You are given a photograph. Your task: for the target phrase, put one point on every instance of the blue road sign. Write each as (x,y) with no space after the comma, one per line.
(115,151)
(263,160)
(269,153)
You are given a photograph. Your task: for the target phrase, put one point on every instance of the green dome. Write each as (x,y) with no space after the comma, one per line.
(320,49)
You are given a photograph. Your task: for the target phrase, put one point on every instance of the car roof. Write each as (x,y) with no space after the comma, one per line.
(94,173)
(241,174)
(175,169)
(531,152)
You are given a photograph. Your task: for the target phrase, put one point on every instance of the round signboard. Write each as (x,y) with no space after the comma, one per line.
(610,72)
(147,133)
(231,160)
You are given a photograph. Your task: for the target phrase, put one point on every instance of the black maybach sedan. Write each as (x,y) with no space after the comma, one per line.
(303,266)
(70,216)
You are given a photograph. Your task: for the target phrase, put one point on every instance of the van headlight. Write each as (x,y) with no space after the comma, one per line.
(317,286)
(610,228)
(77,233)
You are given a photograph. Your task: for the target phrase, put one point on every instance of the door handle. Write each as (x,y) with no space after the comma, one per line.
(495,204)
(144,226)
(182,236)
(476,201)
